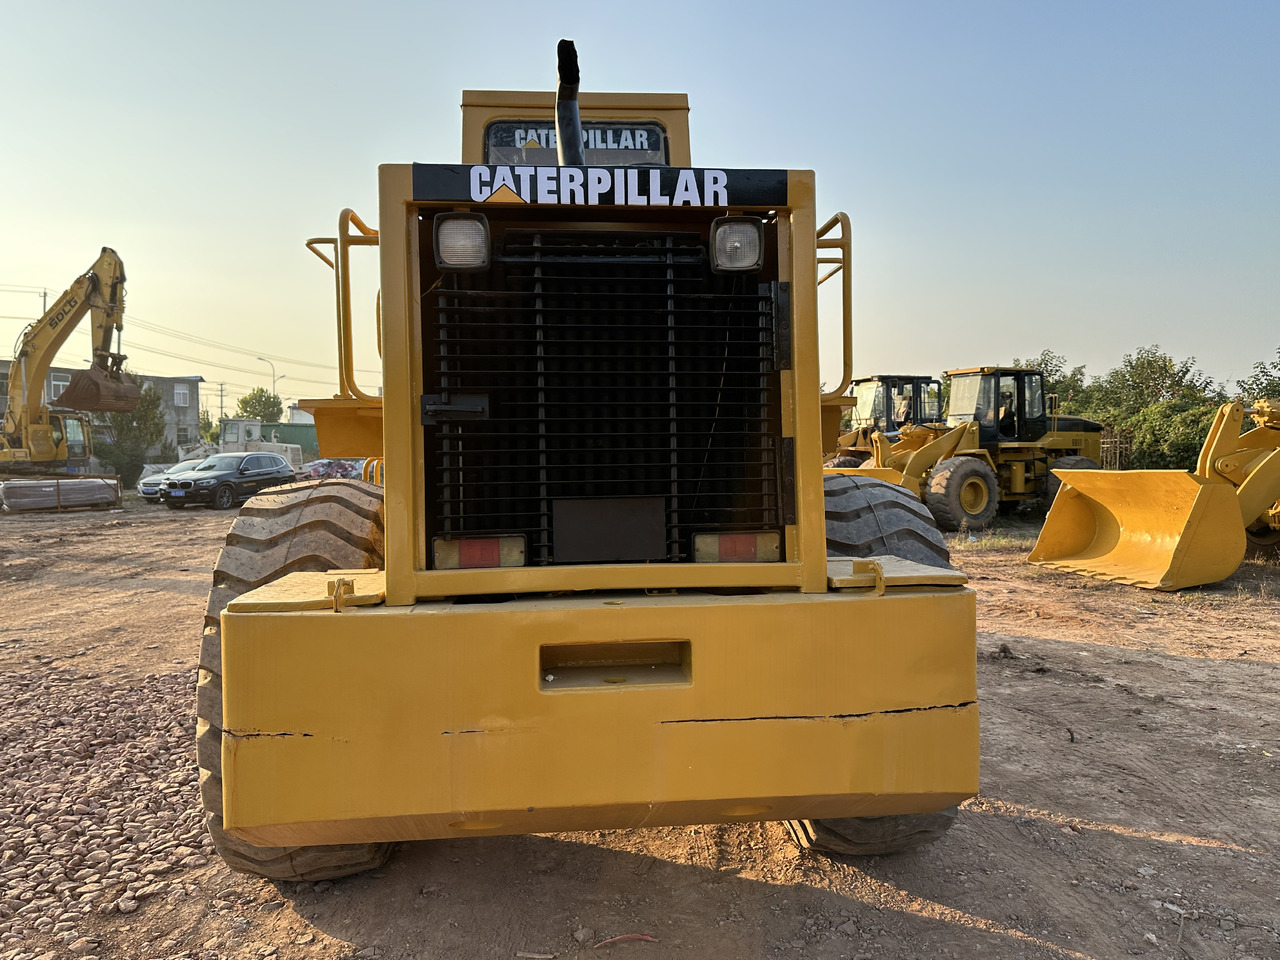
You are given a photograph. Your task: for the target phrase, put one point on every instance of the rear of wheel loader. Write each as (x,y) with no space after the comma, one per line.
(595,591)
(1170,529)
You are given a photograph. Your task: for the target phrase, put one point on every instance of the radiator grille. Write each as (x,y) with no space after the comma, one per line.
(611,366)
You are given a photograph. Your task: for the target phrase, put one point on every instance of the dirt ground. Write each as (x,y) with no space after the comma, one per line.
(1130,798)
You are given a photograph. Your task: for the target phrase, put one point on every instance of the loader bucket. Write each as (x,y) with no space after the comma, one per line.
(96,390)
(1160,529)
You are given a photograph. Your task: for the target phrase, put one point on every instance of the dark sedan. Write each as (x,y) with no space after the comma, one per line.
(225,479)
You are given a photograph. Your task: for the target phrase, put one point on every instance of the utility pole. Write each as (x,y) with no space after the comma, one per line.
(222,393)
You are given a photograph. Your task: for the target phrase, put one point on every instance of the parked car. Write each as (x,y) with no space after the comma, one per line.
(225,479)
(149,487)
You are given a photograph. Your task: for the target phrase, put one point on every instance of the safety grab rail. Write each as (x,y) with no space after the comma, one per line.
(341,265)
(841,265)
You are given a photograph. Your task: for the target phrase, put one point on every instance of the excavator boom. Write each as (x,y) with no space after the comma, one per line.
(104,386)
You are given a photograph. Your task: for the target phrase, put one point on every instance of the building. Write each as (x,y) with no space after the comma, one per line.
(179,399)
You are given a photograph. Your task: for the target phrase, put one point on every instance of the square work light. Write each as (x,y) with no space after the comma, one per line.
(461,242)
(737,244)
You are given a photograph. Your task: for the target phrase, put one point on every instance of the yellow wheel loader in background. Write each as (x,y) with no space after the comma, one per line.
(35,437)
(1001,441)
(595,591)
(881,404)
(1170,529)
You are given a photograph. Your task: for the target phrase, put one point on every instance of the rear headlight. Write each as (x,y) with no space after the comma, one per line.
(737,547)
(472,552)
(737,244)
(461,241)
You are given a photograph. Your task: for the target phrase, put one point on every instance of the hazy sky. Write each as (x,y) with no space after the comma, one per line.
(1088,177)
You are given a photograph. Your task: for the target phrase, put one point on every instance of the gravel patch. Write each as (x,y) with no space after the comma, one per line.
(99,802)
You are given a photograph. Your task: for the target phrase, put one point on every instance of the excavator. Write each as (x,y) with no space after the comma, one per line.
(36,439)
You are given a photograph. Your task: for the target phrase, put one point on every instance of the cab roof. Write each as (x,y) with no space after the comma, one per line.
(984,370)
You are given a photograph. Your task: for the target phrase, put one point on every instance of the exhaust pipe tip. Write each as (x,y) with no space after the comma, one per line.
(569,149)
(567,63)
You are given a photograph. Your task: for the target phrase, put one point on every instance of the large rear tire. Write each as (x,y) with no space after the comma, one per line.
(853,459)
(313,525)
(1052,484)
(871,518)
(963,491)
(871,836)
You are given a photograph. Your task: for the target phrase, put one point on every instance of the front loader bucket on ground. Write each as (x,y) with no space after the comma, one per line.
(94,389)
(1160,529)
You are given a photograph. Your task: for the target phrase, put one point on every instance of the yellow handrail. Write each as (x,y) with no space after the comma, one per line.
(841,265)
(341,265)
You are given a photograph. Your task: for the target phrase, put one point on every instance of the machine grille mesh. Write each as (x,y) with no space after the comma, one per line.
(612,365)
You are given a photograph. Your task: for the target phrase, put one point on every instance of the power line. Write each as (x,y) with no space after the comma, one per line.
(230,348)
(135,346)
(133,320)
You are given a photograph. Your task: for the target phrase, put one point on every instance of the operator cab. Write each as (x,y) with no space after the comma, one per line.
(887,403)
(1007,403)
(509,127)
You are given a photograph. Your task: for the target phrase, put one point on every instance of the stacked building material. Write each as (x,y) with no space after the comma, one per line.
(59,493)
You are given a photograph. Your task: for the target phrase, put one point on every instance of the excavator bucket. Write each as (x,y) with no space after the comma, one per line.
(96,390)
(1160,529)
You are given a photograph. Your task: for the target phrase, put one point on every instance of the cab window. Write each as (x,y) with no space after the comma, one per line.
(1033,397)
(902,403)
(1008,406)
(931,403)
(612,144)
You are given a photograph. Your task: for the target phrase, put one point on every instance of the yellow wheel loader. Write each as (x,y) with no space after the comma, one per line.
(881,404)
(606,584)
(1001,442)
(1170,529)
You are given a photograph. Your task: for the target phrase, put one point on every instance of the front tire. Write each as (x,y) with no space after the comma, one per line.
(314,525)
(1052,484)
(963,491)
(224,498)
(871,836)
(1262,537)
(851,459)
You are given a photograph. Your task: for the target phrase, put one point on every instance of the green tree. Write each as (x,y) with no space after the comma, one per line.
(1263,383)
(1068,384)
(208,429)
(1165,405)
(168,452)
(1168,435)
(1146,377)
(261,404)
(124,440)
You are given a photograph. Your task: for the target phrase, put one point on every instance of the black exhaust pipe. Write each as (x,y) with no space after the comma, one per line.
(569,150)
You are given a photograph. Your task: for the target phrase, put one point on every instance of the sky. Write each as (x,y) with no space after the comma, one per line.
(1086,177)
